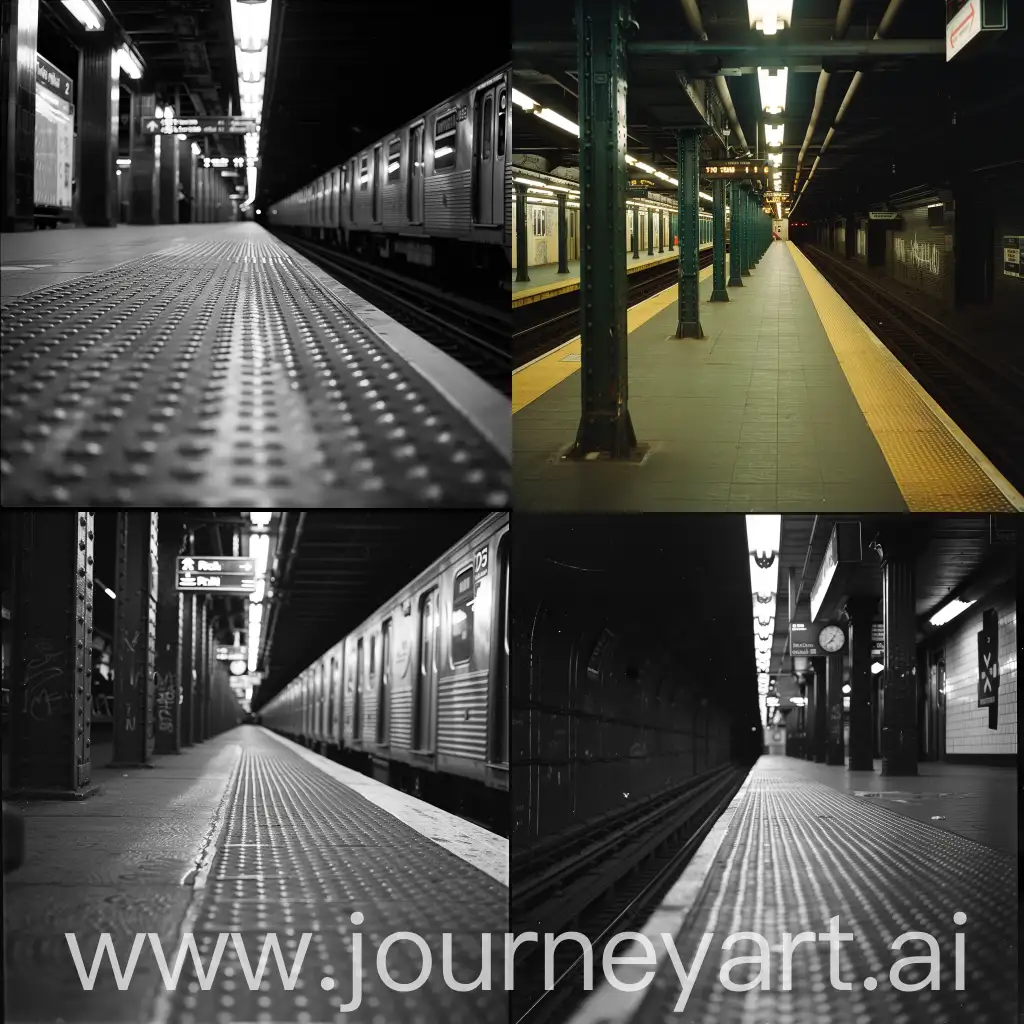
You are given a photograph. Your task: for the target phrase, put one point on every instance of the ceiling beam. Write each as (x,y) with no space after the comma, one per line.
(755,54)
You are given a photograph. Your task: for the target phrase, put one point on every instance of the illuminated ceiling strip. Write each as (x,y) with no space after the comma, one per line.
(250,23)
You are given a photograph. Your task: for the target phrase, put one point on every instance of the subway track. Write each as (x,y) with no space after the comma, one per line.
(602,880)
(541,326)
(983,397)
(471,332)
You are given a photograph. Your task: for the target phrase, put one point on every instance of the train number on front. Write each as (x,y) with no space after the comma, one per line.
(480,563)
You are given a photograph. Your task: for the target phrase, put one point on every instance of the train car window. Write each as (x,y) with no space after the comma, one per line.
(394,160)
(364,173)
(502,117)
(385,682)
(462,617)
(373,657)
(426,670)
(445,128)
(539,222)
(488,125)
(357,697)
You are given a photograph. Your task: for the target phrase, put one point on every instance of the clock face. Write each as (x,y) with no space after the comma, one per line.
(831,639)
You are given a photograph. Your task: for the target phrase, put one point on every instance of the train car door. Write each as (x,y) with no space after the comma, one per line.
(426,670)
(498,753)
(351,193)
(414,180)
(357,696)
(376,184)
(384,685)
(489,129)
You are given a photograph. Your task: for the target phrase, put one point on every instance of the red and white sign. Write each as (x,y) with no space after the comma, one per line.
(966,24)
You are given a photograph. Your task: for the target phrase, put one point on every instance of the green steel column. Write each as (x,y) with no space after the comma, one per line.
(661,231)
(719,292)
(522,270)
(671,231)
(605,426)
(636,232)
(688,173)
(735,235)
(563,236)
(748,231)
(650,231)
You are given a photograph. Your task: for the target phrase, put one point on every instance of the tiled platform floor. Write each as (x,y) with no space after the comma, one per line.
(546,276)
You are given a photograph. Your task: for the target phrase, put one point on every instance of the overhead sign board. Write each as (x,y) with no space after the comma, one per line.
(803,640)
(966,19)
(636,193)
(883,215)
(988,661)
(231,653)
(229,575)
(843,548)
(54,79)
(735,169)
(199,126)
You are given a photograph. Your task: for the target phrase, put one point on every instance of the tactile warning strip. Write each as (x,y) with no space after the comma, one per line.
(222,373)
(932,469)
(799,853)
(300,853)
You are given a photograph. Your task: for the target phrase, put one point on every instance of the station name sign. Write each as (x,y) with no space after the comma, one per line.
(229,575)
(883,215)
(53,78)
(735,169)
(966,19)
(200,126)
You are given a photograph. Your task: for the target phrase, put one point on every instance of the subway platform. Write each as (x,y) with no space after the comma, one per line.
(214,365)
(251,834)
(545,281)
(789,403)
(803,843)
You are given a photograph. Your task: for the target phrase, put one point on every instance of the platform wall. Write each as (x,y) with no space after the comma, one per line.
(921,257)
(967,731)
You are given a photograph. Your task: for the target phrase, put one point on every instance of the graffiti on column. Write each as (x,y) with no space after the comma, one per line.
(924,255)
(166,698)
(48,664)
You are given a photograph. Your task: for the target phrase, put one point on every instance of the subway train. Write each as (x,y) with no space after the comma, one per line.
(417,694)
(433,193)
(542,220)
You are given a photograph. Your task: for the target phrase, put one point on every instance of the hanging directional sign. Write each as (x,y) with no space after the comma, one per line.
(966,19)
(988,661)
(199,126)
(735,169)
(231,653)
(230,575)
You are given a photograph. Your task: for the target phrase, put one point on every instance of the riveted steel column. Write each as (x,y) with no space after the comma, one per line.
(636,232)
(188,668)
(135,637)
(169,635)
(186,177)
(522,239)
(19,23)
(201,676)
(835,752)
(861,613)
(748,231)
(169,179)
(661,231)
(899,707)
(605,426)
(144,178)
(671,232)
(563,236)
(650,231)
(688,174)
(719,293)
(820,710)
(212,680)
(735,235)
(807,691)
(97,115)
(51,677)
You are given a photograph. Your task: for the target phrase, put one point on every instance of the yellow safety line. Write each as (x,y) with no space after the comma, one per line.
(540,375)
(935,465)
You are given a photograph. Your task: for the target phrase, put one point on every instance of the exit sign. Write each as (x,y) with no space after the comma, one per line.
(966,19)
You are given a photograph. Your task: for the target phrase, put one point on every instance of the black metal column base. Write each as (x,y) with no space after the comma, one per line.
(737,283)
(745,273)
(131,764)
(521,275)
(860,764)
(561,271)
(719,295)
(32,793)
(606,436)
(689,329)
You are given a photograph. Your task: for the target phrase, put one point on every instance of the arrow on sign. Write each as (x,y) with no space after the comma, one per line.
(188,565)
(152,125)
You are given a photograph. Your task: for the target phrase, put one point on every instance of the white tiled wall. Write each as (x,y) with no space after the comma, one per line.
(967,730)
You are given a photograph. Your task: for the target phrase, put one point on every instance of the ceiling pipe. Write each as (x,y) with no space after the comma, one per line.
(692,12)
(843,16)
(883,27)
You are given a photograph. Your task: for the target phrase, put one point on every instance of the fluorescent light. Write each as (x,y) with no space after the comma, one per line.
(876,667)
(87,14)
(110,593)
(775,159)
(773,134)
(772,83)
(778,210)
(124,161)
(949,611)
(763,534)
(558,120)
(522,100)
(129,65)
(259,550)
(261,520)
(645,167)
(770,16)
(704,195)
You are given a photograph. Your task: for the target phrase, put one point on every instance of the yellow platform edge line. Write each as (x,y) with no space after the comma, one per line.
(862,363)
(540,375)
